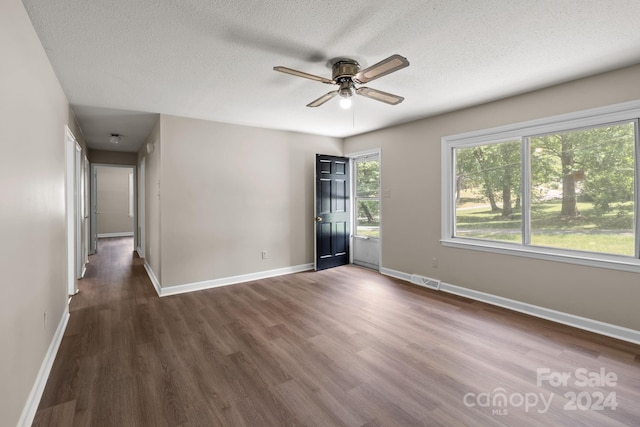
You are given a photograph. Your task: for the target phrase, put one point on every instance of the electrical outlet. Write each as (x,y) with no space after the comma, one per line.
(434,262)
(265,255)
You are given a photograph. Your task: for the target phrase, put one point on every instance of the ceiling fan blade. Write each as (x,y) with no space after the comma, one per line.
(303,74)
(382,68)
(379,95)
(324,98)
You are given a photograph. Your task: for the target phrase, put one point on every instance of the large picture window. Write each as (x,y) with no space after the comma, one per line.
(566,187)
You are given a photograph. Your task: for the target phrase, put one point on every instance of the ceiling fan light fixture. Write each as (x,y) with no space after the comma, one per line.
(346,103)
(114,138)
(346,92)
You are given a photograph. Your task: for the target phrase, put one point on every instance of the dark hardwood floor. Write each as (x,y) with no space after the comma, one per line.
(340,347)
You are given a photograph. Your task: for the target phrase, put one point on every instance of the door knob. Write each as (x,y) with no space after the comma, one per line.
(318,219)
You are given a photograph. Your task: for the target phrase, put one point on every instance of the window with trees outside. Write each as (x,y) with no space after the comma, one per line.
(565,187)
(367,194)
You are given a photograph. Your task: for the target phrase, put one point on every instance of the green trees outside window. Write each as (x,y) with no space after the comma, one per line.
(368,197)
(579,190)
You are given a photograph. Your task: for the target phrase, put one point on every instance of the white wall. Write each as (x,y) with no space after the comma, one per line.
(230,192)
(34,112)
(411,215)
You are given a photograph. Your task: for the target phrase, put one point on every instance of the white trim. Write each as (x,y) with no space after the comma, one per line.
(70,209)
(93,211)
(364,153)
(94,201)
(141,197)
(395,274)
(154,280)
(78,215)
(591,325)
(315,210)
(233,280)
(122,234)
(140,252)
(31,406)
(131,194)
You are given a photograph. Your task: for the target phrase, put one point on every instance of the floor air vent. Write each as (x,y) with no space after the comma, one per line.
(426,282)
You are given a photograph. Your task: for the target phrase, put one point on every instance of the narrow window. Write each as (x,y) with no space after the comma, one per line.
(367,196)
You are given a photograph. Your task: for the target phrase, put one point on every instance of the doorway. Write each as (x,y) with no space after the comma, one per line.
(366,207)
(113,202)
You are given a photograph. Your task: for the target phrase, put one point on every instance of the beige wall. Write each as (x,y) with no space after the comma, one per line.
(411,215)
(152,199)
(113,199)
(230,192)
(34,112)
(112,157)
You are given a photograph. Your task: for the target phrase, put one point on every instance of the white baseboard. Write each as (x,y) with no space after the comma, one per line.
(233,280)
(602,328)
(123,234)
(396,274)
(31,406)
(140,251)
(153,278)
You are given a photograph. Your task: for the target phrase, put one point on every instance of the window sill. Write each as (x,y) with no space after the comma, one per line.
(375,239)
(613,262)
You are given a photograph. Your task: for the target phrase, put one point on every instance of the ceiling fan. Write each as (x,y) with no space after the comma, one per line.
(346,73)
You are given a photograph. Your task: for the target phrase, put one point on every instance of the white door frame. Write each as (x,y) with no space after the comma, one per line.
(77,199)
(94,202)
(141,207)
(93,211)
(74,246)
(86,211)
(354,219)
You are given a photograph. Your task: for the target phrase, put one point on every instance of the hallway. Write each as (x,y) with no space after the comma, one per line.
(97,360)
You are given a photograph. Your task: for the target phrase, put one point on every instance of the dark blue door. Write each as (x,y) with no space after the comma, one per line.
(332,211)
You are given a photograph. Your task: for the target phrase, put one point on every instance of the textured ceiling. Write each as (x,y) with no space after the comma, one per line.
(213,59)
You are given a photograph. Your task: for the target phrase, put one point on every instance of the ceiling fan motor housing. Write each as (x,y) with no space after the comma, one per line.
(345,69)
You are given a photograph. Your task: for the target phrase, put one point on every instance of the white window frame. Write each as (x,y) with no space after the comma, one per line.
(131,195)
(373,155)
(583,119)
